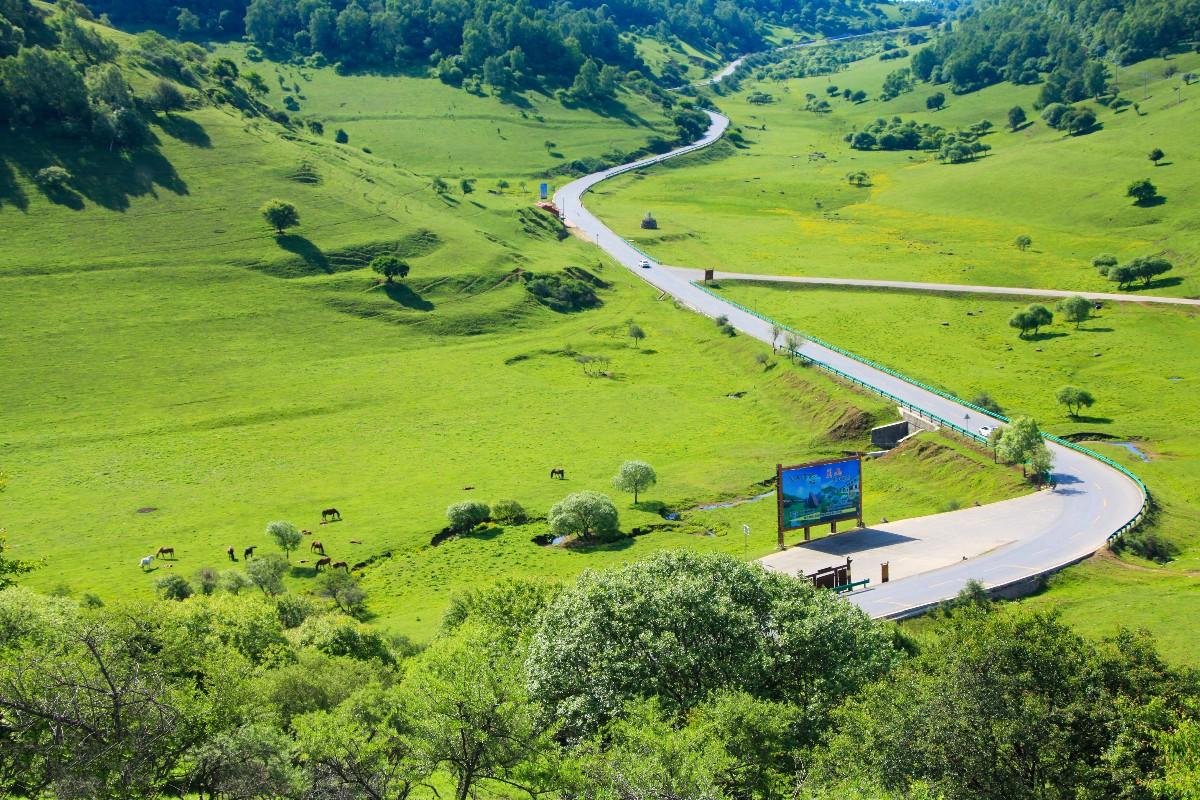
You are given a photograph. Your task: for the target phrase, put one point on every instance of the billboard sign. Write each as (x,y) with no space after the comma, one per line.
(819,493)
(545,190)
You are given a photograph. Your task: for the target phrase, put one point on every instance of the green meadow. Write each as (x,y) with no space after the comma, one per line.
(786,195)
(177,375)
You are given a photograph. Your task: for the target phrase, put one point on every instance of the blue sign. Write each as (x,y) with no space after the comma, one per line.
(819,493)
(545,190)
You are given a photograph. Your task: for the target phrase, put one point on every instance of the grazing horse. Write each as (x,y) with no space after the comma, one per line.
(330,515)
(163,552)
(340,565)
(147,561)
(558,472)
(249,552)
(323,562)
(229,552)
(317,546)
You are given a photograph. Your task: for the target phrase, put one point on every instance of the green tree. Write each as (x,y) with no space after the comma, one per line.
(187,23)
(509,512)
(586,514)
(174,587)
(1017,441)
(251,760)
(636,333)
(587,81)
(1147,269)
(467,185)
(1075,399)
(1016,117)
(1142,192)
(634,477)
(267,573)
(341,137)
(390,267)
(1022,320)
(467,515)
(342,588)
(935,101)
(1041,461)
(680,626)
(286,535)
(280,215)
(1074,309)
(1156,155)
(1023,242)
(166,97)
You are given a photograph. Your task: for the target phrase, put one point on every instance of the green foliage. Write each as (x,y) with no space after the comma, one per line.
(562,293)
(586,515)
(681,626)
(1074,398)
(467,515)
(280,215)
(390,267)
(896,83)
(341,137)
(1142,191)
(267,573)
(508,512)
(634,477)
(1023,242)
(174,587)
(342,588)
(636,333)
(1145,269)
(935,101)
(1074,309)
(1031,318)
(53,179)
(1016,117)
(1156,155)
(1018,441)
(286,535)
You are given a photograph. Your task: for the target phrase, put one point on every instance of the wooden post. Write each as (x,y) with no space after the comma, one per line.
(884,570)
(779,502)
(833,526)
(806,533)
(708,276)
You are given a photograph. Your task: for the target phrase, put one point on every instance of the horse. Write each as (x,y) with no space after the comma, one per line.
(558,472)
(147,561)
(340,565)
(163,552)
(330,515)
(229,552)
(360,565)
(317,546)
(323,562)
(248,553)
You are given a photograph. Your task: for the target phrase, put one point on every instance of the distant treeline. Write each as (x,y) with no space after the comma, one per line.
(1068,42)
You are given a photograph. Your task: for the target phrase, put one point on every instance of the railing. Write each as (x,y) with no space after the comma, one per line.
(1130,524)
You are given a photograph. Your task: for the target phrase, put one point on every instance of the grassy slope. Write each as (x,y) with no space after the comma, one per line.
(160,350)
(923,220)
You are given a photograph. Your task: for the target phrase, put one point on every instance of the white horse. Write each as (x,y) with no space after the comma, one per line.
(147,561)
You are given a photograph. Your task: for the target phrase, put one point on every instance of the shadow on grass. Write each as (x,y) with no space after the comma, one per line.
(1092,420)
(1157,200)
(1082,329)
(301,246)
(597,546)
(10,193)
(184,129)
(1043,336)
(653,507)
(403,294)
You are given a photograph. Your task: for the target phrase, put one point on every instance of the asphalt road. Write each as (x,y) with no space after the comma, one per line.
(949,288)
(1044,531)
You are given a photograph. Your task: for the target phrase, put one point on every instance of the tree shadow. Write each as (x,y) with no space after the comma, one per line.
(597,546)
(1092,420)
(10,192)
(305,249)
(1043,336)
(64,196)
(184,129)
(1157,200)
(653,507)
(1082,329)
(1095,126)
(403,294)
(1163,164)
(1022,126)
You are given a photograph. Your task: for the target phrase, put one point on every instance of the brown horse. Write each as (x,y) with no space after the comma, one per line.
(229,552)
(323,562)
(558,472)
(330,515)
(248,553)
(340,565)
(317,546)
(163,552)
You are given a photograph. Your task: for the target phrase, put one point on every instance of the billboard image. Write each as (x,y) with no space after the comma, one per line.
(820,493)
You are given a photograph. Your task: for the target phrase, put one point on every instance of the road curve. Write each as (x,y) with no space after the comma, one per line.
(947,288)
(1044,531)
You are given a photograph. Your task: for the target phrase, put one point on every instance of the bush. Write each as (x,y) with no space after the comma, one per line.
(174,587)
(509,512)
(467,515)
(52,178)
(293,609)
(344,591)
(561,293)
(586,514)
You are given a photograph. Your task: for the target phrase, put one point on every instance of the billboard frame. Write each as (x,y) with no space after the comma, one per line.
(856,514)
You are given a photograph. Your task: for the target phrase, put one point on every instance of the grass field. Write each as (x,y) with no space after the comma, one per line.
(786,195)
(1139,362)
(177,375)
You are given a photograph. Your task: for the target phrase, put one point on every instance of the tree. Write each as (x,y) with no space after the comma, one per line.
(286,535)
(636,334)
(165,96)
(1149,268)
(1023,242)
(53,179)
(587,81)
(174,587)
(341,137)
(776,332)
(1156,155)
(471,714)
(935,101)
(585,514)
(467,185)
(280,215)
(681,626)
(267,573)
(509,512)
(467,515)
(1142,192)
(1123,275)
(1075,309)
(1074,399)
(634,476)
(1016,117)
(1079,120)
(792,342)
(390,267)
(342,588)
(1031,318)
(1017,441)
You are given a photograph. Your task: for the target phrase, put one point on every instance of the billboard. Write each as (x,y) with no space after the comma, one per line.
(819,493)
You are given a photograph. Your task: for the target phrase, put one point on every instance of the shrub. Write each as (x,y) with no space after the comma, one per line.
(467,515)
(52,178)
(561,293)
(586,514)
(509,512)
(174,587)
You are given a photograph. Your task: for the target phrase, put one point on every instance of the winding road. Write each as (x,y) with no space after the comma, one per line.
(932,558)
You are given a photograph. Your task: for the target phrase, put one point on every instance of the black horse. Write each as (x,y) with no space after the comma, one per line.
(330,515)
(558,472)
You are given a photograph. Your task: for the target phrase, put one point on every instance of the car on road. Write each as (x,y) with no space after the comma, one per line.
(986,431)
(644,263)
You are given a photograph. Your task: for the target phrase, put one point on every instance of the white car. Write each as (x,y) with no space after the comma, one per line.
(644,263)
(986,431)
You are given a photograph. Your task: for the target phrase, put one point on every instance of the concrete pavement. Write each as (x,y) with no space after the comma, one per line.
(1022,538)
